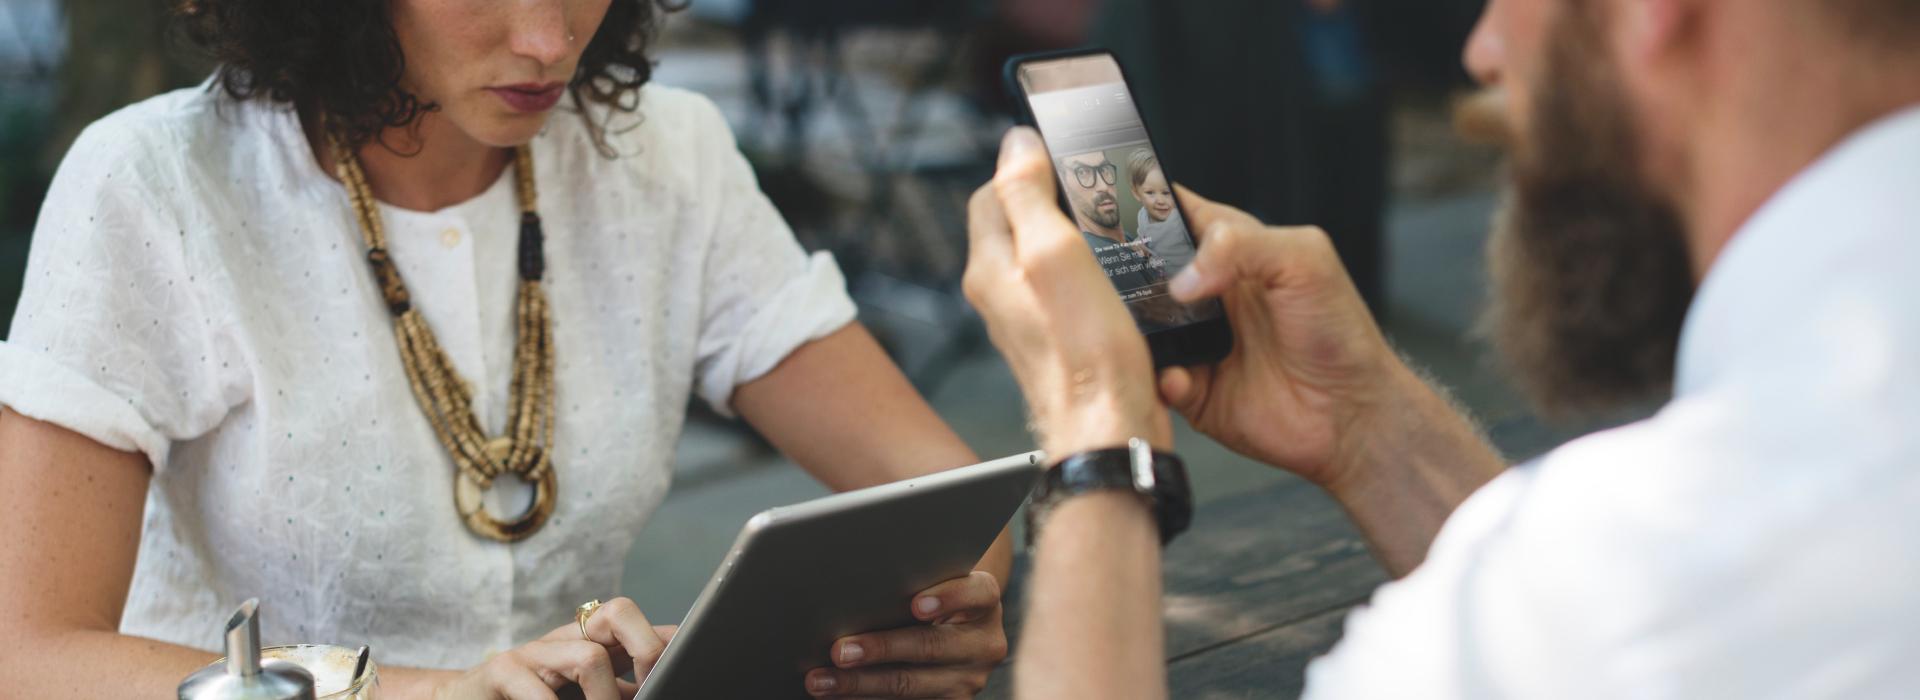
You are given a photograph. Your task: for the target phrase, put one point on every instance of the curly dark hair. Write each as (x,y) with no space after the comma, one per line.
(342,58)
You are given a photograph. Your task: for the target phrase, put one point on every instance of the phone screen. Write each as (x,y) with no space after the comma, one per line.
(1115,188)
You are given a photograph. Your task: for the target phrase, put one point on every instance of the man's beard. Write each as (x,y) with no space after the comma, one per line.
(1591,278)
(1092,211)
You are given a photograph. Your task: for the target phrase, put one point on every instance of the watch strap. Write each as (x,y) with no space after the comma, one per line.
(1166,491)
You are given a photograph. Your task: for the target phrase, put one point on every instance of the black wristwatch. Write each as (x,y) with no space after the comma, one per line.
(1158,478)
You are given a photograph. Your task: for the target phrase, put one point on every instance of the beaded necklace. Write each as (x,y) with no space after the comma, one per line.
(447,399)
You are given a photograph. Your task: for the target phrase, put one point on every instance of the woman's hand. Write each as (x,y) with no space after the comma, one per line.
(1308,363)
(1079,358)
(619,640)
(948,657)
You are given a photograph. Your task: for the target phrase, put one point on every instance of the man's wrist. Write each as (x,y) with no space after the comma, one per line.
(1115,516)
(1103,424)
(1382,409)
(1402,470)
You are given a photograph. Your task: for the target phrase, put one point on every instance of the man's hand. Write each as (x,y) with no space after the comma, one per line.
(1312,387)
(1079,359)
(1308,363)
(948,657)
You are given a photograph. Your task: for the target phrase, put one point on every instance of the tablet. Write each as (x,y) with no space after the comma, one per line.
(801,576)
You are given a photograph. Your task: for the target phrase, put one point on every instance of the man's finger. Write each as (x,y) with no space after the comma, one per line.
(897,682)
(1185,388)
(1270,257)
(976,593)
(1220,231)
(1025,184)
(988,235)
(1205,212)
(989,245)
(1175,382)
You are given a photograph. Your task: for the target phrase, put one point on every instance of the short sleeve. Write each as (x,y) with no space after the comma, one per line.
(111,339)
(763,295)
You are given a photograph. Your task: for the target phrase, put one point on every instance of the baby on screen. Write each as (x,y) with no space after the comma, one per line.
(1160,223)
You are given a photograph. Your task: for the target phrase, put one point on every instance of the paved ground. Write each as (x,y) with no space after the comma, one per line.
(1436,285)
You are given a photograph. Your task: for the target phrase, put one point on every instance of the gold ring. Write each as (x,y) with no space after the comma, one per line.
(580,615)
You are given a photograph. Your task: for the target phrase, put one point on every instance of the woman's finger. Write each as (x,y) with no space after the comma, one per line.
(898,682)
(619,624)
(958,600)
(922,644)
(517,682)
(560,663)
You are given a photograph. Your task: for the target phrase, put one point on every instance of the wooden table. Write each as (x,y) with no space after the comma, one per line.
(1257,588)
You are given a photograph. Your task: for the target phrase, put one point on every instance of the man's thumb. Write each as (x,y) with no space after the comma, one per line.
(1212,267)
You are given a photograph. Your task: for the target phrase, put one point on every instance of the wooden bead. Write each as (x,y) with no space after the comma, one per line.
(445,396)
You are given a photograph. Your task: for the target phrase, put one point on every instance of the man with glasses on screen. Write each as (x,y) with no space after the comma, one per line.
(1091,183)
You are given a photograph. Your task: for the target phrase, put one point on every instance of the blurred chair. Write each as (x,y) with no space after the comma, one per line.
(895,269)
(815,30)
(904,250)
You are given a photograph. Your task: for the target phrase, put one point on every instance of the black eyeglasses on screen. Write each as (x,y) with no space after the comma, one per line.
(1106,171)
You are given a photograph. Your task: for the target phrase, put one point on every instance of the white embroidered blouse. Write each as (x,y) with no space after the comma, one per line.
(197,291)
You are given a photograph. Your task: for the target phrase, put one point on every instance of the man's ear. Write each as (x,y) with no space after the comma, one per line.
(1650,31)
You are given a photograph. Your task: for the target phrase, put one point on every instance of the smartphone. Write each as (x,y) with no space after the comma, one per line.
(1115,187)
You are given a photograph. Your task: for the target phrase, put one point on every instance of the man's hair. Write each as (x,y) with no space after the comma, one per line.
(1139,164)
(342,58)
(1063,161)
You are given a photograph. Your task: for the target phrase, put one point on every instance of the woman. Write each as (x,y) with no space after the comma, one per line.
(328,315)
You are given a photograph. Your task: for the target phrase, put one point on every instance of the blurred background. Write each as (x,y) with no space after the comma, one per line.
(870,121)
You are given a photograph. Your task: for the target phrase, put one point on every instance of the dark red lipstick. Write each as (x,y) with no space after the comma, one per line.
(530,97)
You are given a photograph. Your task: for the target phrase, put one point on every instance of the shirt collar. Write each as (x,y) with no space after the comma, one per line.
(1852,200)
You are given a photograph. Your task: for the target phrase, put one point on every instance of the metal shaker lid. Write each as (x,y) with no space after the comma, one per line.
(244,676)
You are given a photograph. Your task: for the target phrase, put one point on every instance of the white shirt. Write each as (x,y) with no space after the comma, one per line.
(198,291)
(1758,538)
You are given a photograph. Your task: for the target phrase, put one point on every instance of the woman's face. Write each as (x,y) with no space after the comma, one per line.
(1155,195)
(495,67)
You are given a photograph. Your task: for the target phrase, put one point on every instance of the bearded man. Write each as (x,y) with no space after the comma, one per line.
(1712,201)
